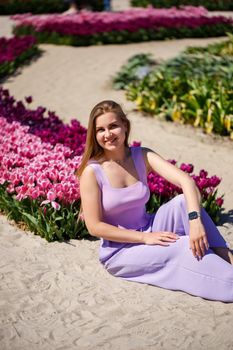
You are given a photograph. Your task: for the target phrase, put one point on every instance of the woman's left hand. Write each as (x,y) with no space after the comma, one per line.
(198,239)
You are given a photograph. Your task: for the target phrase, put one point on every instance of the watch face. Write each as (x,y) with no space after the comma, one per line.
(193,215)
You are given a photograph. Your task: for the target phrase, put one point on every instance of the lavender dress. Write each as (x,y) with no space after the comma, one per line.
(172,267)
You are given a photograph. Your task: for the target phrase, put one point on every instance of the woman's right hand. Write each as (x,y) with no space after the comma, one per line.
(160,238)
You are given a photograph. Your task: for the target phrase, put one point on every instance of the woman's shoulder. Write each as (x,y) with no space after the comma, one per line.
(90,168)
(92,172)
(87,171)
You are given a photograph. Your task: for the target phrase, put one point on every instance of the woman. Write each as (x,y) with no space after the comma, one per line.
(179,247)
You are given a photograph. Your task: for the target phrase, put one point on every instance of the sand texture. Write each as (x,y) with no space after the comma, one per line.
(57,295)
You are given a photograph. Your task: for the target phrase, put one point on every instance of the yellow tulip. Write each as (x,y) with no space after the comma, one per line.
(209,127)
(139,101)
(153,105)
(198,118)
(176,114)
(227,122)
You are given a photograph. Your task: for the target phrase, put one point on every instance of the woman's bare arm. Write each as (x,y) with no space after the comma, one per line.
(91,204)
(198,238)
(176,176)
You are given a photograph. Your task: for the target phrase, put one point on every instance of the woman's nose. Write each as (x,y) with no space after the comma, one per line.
(107,133)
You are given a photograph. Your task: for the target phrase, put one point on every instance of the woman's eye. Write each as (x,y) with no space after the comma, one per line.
(114,126)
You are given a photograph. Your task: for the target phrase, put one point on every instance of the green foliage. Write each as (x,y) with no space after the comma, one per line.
(194,88)
(212,207)
(137,67)
(51,224)
(219,49)
(222,5)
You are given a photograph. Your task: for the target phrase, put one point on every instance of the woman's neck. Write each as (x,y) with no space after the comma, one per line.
(119,157)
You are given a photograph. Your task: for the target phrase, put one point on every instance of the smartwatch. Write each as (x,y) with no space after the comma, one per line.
(194,215)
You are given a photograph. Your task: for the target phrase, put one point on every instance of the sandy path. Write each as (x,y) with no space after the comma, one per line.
(57,296)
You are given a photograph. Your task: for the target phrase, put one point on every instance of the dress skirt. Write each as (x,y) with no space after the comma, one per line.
(174,267)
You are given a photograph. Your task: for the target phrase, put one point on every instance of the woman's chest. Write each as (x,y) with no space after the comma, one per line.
(119,176)
(120,200)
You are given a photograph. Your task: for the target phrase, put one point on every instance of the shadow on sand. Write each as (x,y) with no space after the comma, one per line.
(226,217)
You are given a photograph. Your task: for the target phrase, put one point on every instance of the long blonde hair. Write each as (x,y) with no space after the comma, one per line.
(92,148)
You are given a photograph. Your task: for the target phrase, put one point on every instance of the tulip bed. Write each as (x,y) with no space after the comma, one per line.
(195,88)
(134,25)
(214,5)
(38,185)
(15,51)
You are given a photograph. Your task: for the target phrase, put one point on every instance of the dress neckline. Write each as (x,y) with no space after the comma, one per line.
(126,187)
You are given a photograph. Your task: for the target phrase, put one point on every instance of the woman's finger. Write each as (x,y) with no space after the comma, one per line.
(192,247)
(202,247)
(168,239)
(198,249)
(170,235)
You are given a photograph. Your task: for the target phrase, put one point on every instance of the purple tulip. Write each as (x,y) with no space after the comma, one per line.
(215,181)
(188,168)
(203,173)
(11,49)
(28,99)
(219,202)
(136,144)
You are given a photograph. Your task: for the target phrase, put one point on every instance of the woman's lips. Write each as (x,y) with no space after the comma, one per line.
(110,141)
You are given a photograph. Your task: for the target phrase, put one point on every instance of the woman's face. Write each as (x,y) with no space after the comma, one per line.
(110,131)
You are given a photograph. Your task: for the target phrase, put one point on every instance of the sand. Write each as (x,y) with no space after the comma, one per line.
(57,295)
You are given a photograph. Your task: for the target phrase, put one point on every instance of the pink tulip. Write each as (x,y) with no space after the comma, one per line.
(38,174)
(51,196)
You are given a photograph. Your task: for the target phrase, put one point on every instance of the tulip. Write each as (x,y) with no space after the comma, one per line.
(219,202)
(85,24)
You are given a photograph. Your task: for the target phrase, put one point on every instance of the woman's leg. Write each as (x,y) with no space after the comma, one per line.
(173,216)
(175,268)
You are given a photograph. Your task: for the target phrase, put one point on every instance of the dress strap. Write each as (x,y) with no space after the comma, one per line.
(100,178)
(139,163)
